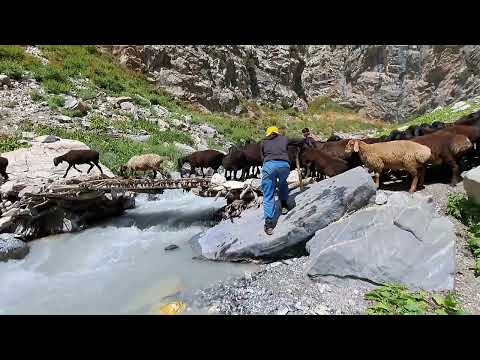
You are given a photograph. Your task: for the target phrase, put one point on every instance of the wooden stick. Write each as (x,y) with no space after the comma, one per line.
(298,169)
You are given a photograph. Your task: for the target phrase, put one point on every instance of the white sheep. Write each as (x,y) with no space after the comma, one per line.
(395,155)
(144,163)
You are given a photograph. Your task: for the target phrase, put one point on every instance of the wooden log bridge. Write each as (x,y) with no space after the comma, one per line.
(140,185)
(76,189)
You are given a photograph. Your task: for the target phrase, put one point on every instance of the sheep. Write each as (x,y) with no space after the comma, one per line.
(445,148)
(144,163)
(320,162)
(334,137)
(78,157)
(3,167)
(395,155)
(234,161)
(202,159)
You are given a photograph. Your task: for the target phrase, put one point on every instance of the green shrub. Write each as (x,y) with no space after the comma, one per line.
(55,101)
(37,96)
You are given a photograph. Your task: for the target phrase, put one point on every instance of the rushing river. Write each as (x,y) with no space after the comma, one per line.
(119,267)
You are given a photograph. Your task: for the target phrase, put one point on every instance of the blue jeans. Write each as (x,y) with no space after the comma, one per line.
(271,171)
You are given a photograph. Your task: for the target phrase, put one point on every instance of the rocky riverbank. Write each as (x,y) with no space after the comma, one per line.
(25,216)
(285,287)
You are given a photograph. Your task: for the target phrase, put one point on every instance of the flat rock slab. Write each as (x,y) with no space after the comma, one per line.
(12,248)
(313,209)
(29,165)
(403,241)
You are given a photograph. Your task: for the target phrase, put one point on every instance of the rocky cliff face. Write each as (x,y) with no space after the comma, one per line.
(391,82)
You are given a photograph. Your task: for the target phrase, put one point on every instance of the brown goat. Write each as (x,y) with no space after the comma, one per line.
(78,157)
(202,159)
(3,167)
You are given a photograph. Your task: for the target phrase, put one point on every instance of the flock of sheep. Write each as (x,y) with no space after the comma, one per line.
(414,150)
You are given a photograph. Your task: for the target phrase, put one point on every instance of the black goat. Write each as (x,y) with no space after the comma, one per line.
(77,157)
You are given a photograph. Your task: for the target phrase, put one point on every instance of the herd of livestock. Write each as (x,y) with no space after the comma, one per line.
(413,151)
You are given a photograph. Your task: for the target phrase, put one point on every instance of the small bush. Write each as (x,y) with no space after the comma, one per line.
(37,96)
(55,101)
(86,94)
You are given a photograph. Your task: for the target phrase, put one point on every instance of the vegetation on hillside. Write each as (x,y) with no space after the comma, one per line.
(444,114)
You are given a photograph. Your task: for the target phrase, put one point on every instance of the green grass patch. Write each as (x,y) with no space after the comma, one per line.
(55,101)
(11,142)
(394,299)
(322,104)
(37,96)
(444,114)
(460,207)
(114,151)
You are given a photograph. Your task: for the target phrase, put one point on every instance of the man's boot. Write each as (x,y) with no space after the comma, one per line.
(268,227)
(284,208)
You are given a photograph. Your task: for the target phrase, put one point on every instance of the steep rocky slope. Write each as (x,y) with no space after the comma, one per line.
(391,82)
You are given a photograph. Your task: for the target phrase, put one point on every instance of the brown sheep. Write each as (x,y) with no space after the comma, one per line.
(446,148)
(322,163)
(78,157)
(202,159)
(395,155)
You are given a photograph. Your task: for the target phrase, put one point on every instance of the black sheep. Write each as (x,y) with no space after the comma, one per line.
(3,167)
(78,157)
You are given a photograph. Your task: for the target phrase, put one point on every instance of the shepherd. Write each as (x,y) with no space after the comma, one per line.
(276,168)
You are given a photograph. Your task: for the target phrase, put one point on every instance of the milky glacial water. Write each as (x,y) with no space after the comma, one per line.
(119,267)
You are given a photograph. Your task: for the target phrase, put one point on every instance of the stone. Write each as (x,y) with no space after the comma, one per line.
(460,106)
(300,105)
(293,177)
(381,198)
(233,185)
(12,248)
(184,148)
(171,247)
(28,135)
(471,184)
(405,241)
(312,209)
(208,131)
(139,138)
(283,311)
(127,106)
(4,80)
(70,102)
(63,119)
(218,179)
(50,139)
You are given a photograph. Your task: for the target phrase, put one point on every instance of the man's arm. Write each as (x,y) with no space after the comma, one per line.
(261,151)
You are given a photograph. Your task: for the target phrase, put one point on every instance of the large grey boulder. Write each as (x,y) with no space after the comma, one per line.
(404,241)
(471,184)
(314,208)
(12,248)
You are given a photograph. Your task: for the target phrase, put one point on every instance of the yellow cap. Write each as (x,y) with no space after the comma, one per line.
(270,130)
